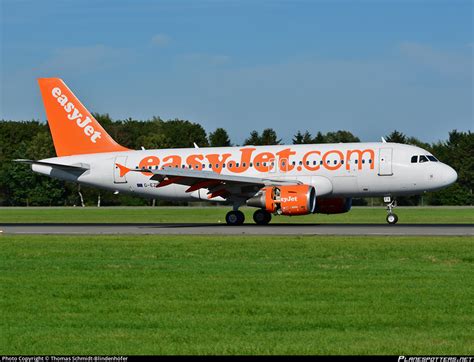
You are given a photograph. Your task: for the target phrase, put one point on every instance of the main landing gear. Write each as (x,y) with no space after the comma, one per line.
(262,217)
(236,217)
(392,218)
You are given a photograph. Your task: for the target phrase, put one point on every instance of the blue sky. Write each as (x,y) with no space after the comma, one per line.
(365,66)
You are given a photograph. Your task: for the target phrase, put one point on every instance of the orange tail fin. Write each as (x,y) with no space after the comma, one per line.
(75,131)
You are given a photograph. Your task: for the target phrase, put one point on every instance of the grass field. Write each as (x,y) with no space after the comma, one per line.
(236,295)
(435,215)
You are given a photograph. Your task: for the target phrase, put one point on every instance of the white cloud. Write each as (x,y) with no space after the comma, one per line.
(443,61)
(82,59)
(160,40)
(207,59)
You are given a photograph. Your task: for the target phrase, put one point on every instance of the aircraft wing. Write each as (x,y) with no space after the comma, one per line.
(218,185)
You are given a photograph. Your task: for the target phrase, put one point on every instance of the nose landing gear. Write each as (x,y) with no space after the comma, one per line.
(392,218)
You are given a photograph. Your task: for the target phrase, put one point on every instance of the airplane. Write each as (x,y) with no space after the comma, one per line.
(277,180)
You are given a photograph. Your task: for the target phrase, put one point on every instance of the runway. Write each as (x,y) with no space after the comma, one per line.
(246,229)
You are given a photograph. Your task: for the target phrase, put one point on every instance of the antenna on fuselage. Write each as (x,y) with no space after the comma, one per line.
(383,140)
(195,145)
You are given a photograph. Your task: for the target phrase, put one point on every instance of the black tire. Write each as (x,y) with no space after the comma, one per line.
(235,218)
(392,219)
(262,217)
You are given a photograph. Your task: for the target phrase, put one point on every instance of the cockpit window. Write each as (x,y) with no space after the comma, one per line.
(414,159)
(423,159)
(432,158)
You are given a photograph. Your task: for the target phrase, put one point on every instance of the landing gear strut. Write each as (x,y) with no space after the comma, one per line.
(262,217)
(392,218)
(235,217)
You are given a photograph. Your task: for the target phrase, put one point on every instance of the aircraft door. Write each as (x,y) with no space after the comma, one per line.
(118,178)
(385,162)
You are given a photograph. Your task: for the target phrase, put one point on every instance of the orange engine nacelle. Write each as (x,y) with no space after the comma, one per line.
(286,200)
(333,205)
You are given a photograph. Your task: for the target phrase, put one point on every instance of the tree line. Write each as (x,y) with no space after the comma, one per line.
(19,186)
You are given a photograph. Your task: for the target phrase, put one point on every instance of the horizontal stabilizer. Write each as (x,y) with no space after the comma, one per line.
(79,167)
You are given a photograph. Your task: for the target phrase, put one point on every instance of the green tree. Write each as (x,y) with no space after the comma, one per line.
(458,152)
(254,139)
(341,136)
(180,133)
(416,142)
(219,138)
(319,138)
(302,138)
(396,137)
(268,137)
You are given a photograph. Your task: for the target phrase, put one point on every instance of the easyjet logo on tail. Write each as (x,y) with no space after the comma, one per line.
(74,115)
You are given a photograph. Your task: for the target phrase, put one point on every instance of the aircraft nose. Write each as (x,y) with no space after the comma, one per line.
(450,175)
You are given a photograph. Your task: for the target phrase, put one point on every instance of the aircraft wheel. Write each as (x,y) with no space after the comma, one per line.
(262,217)
(235,218)
(392,219)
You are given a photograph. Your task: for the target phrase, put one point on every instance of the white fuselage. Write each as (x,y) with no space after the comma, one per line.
(343,169)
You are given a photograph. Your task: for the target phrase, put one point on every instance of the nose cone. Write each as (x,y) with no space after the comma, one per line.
(449,175)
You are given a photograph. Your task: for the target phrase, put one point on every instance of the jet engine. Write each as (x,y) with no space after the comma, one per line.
(333,205)
(286,200)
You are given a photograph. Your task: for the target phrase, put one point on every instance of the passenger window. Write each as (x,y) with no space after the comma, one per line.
(335,162)
(432,158)
(230,165)
(363,161)
(237,164)
(414,159)
(423,159)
